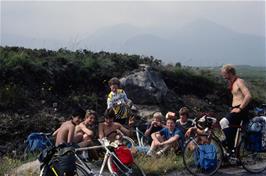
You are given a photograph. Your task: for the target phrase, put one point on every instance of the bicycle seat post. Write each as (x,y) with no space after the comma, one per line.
(237,135)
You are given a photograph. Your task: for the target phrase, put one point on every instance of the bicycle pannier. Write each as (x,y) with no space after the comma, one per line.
(67,161)
(255,134)
(124,155)
(206,156)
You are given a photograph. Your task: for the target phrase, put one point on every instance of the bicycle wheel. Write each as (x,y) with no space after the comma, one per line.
(252,161)
(118,169)
(46,171)
(190,155)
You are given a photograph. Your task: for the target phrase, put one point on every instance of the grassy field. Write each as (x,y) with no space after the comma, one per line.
(160,165)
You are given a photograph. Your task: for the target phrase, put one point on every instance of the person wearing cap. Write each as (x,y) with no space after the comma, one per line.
(166,138)
(155,125)
(184,123)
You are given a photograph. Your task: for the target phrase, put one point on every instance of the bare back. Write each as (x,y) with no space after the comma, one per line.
(65,133)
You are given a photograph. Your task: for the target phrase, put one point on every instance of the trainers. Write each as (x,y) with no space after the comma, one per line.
(85,156)
(150,153)
(159,153)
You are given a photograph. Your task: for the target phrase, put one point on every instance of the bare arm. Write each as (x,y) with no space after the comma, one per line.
(85,129)
(245,92)
(148,131)
(153,136)
(70,135)
(55,133)
(109,103)
(101,132)
(171,140)
(123,129)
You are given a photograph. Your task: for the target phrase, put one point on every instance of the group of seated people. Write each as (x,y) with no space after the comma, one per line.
(163,132)
(169,135)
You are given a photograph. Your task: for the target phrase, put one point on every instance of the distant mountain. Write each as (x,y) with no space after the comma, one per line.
(208,43)
(203,43)
(199,43)
(110,38)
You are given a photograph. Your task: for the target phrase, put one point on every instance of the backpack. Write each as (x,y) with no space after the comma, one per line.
(254,142)
(63,163)
(255,139)
(206,156)
(124,155)
(37,142)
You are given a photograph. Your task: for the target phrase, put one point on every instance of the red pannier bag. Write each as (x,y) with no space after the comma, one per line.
(124,155)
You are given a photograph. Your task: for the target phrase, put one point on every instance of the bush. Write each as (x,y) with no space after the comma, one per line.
(13,96)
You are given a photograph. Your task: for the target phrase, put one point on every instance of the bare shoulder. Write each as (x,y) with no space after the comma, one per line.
(101,124)
(240,82)
(117,124)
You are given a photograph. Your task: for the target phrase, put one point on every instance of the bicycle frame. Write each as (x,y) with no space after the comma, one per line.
(106,156)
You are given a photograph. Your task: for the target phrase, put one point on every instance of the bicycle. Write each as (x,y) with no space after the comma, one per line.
(111,159)
(83,169)
(252,161)
(143,140)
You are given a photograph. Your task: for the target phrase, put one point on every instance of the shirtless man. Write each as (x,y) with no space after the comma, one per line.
(241,99)
(83,135)
(109,128)
(65,133)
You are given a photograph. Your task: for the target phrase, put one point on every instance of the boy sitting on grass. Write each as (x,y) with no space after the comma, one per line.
(166,138)
(155,126)
(65,133)
(109,128)
(83,135)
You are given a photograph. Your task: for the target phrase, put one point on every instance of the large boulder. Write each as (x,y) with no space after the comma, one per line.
(145,86)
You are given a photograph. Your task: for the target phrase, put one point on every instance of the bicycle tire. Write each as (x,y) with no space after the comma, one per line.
(189,157)
(45,171)
(252,161)
(135,169)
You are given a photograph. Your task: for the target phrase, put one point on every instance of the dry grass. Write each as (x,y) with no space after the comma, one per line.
(151,165)
(8,166)
(160,165)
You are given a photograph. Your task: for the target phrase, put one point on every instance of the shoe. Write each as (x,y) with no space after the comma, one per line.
(150,153)
(159,153)
(85,156)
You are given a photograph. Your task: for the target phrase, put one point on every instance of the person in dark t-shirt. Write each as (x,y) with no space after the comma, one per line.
(184,123)
(156,125)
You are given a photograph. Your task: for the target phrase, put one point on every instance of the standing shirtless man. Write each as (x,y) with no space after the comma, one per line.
(241,99)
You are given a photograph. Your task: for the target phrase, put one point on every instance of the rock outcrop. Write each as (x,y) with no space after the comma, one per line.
(145,86)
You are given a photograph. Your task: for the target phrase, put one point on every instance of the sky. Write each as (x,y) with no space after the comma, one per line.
(64,20)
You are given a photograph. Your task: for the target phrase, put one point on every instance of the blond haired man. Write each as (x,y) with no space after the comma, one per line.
(241,99)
